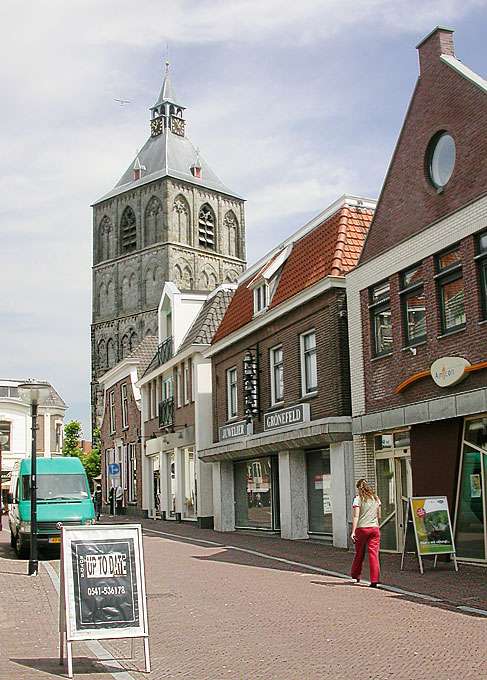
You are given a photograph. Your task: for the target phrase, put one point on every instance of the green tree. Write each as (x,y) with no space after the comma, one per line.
(92,460)
(73,433)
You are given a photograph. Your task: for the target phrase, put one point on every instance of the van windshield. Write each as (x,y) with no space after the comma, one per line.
(57,487)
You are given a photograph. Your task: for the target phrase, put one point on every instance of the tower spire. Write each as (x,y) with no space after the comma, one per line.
(167,114)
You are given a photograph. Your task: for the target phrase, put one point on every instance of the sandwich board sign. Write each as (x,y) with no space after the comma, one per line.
(429,521)
(102,593)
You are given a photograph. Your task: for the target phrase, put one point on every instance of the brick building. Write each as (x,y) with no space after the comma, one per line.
(282,453)
(417,308)
(177,406)
(120,430)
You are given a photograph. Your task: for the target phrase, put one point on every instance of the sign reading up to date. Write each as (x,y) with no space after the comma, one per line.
(102,593)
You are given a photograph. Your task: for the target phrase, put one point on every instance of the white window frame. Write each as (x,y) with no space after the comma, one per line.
(232,388)
(261,298)
(111,409)
(272,366)
(305,389)
(125,406)
(179,387)
(186,381)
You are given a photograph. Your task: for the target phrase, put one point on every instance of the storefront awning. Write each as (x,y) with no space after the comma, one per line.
(307,435)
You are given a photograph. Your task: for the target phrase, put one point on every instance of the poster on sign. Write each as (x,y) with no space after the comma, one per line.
(429,520)
(102,585)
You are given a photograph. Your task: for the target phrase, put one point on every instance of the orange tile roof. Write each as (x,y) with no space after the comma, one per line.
(331,249)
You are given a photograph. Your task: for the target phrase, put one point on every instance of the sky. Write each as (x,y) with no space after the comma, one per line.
(292,104)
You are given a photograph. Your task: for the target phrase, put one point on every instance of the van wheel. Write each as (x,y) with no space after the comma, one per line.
(21,547)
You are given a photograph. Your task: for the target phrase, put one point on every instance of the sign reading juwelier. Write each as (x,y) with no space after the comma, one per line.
(103,585)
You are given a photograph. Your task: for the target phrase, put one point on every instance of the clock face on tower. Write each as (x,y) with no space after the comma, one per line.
(177,126)
(156,126)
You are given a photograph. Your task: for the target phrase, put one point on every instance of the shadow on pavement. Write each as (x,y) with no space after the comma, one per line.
(81,664)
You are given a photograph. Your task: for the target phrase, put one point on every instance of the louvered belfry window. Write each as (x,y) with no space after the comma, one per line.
(206,227)
(128,231)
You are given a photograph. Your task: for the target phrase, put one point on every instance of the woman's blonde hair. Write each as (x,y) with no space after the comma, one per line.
(365,491)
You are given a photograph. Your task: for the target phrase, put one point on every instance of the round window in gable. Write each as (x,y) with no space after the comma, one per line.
(441,159)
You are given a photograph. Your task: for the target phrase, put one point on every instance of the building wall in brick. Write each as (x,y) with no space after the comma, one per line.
(436,446)
(383,374)
(327,315)
(443,100)
(128,435)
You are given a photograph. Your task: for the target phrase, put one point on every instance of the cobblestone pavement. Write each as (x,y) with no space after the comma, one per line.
(218,612)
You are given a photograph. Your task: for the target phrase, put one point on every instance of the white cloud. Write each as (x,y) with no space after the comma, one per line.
(256,76)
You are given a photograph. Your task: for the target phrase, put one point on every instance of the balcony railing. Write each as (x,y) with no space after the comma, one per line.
(166,412)
(163,354)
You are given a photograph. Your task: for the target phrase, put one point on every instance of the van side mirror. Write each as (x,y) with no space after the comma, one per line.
(10,498)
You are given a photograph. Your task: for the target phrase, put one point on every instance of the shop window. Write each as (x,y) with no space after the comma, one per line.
(309,371)
(125,406)
(132,473)
(383,441)
(277,375)
(232,405)
(179,387)
(111,407)
(5,431)
(451,292)
(413,305)
(482,268)
(256,492)
(320,511)
(380,319)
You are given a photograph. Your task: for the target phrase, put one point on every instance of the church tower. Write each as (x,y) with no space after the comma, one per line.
(169,218)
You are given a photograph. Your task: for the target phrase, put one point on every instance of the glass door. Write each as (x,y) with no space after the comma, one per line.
(471,511)
(386,490)
(318,470)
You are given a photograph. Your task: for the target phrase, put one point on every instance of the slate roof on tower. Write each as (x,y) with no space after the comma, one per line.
(168,155)
(330,245)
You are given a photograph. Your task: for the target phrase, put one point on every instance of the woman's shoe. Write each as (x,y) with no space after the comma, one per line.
(373,585)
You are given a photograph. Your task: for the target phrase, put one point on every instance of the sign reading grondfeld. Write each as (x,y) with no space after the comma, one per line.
(449,371)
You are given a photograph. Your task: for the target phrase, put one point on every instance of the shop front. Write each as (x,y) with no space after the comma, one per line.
(295,479)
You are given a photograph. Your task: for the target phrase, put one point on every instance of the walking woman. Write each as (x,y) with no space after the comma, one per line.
(366,532)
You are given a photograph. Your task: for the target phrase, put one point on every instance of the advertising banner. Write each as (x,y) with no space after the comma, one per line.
(428,520)
(432,525)
(102,585)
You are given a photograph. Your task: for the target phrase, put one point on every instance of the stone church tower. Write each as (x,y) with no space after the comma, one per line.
(169,218)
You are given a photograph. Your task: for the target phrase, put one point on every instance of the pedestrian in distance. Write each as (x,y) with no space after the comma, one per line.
(111,500)
(366,511)
(119,499)
(97,501)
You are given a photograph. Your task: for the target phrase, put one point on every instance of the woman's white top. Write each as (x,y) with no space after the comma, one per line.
(368,512)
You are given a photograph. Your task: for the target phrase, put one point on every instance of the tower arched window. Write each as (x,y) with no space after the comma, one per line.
(128,231)
(104,239)
(231,229)
(111,355)
(102,355)
(206,227)
(182,220)
(153,222)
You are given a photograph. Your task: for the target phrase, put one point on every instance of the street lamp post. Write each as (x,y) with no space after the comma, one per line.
(33,393)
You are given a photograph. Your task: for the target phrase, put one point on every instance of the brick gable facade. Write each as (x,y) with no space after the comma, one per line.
(443,99)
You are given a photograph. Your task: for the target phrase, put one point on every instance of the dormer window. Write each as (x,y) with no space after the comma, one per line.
(261,298)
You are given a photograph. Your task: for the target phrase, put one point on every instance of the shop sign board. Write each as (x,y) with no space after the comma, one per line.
(429,519)
(292,415)
(449,371)
(102,594)
(240,429)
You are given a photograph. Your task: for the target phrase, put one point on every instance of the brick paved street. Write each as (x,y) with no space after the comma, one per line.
(223,613)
